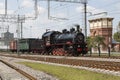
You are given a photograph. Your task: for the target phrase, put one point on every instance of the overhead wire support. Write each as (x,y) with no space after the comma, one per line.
(11,18)
(36,9)
(84,2)
(55,18)
(48,9)
(5,7)
(51,17)
(18,19)
(85,20)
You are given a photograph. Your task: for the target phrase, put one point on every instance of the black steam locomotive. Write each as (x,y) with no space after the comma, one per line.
(66,43)
(54,43)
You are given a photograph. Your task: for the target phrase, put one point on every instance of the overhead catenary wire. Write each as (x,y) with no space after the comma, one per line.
(73,17)
(92,10)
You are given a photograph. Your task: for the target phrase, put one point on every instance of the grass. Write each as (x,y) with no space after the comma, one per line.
(67,73)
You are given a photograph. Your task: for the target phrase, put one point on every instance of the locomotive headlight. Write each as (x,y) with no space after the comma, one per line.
(80,37)
(78,45)
(71,47)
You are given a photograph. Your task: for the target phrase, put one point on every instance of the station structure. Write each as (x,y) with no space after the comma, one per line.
(104,27)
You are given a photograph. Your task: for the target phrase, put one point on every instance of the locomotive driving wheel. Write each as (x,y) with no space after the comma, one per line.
(59,51)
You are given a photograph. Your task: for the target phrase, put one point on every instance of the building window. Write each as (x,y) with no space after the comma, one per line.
(99,24)
(110,23)
(104,22)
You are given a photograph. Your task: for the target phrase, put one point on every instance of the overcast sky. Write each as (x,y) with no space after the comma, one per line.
(72,13)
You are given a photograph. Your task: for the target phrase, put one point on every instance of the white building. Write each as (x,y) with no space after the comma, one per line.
(5,40)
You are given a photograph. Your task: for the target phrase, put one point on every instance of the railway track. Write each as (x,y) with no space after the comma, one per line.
(18,70)
(107,65)
(1,78)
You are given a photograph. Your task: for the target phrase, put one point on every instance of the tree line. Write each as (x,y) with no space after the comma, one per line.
(97,41)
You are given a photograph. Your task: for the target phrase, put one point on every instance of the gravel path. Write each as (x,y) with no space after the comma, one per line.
(8,73)
(37,74)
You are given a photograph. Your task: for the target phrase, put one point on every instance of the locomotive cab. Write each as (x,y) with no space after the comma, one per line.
(49,37)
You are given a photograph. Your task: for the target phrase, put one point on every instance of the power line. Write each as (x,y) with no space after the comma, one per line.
(70,1)
(107,5)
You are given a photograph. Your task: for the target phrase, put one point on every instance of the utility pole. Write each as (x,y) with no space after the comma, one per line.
(36,8)
(18,35)
(5,7)
(8,40)
(48,9)
(85,18)
(21,30)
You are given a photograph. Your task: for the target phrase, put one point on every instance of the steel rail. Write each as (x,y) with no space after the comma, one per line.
(19,70)
(1,78)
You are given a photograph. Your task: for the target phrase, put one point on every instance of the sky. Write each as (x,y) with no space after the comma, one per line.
(65,15)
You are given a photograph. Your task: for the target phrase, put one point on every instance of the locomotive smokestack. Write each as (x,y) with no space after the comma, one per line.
(64,30)
(72,30)
(78,28)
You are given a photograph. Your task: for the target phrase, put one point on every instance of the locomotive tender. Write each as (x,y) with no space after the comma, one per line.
(56,43)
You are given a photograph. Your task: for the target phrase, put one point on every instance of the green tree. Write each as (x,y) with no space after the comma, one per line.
(90,44)
(116,36)
(99,40)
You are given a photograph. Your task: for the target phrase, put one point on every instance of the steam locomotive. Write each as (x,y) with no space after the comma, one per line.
(56,43)
(66,43)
